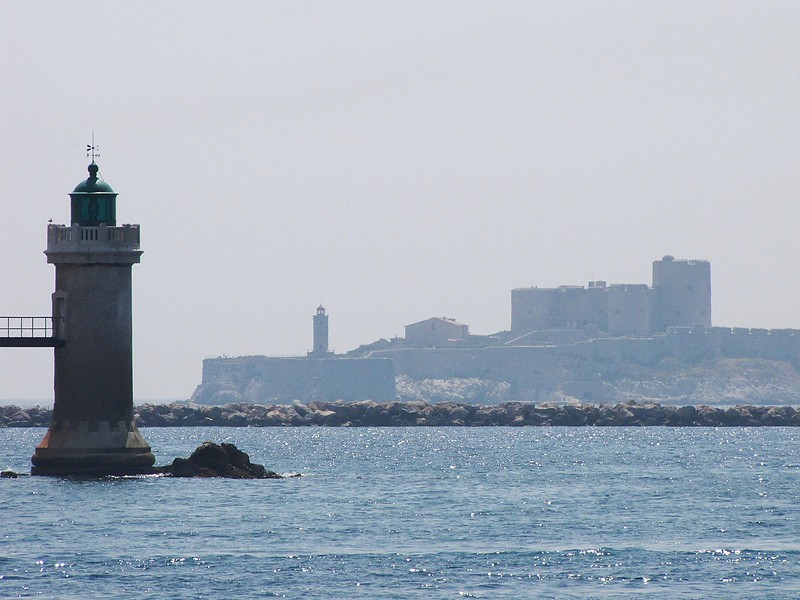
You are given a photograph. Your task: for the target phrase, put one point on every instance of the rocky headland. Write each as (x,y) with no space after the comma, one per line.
(419,413)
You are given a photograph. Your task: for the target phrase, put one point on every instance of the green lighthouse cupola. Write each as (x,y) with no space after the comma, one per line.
(93,202)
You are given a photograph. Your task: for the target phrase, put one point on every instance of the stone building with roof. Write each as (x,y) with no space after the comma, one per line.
(435,331)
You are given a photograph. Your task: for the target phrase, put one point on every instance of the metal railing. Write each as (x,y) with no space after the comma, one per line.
(26,327)
(75,235)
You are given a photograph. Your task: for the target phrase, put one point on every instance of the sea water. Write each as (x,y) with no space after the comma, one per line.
(557,512)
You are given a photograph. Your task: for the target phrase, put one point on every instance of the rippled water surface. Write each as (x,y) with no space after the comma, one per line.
(420,512)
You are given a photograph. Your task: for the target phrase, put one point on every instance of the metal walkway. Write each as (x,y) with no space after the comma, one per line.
(28,332)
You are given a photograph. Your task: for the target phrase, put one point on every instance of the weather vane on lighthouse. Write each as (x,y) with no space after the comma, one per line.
(92,150)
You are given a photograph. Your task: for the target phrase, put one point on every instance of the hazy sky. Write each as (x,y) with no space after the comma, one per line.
(395,161)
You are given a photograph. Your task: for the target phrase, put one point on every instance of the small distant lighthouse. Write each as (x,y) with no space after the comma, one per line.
(320,332)
(93,430)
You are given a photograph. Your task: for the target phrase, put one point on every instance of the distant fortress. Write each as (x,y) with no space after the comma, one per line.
(567,342)
(680,296)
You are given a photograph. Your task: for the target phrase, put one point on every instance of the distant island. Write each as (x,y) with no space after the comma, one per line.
(599,343)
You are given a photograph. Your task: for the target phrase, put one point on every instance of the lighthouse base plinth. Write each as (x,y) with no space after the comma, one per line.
(92,448)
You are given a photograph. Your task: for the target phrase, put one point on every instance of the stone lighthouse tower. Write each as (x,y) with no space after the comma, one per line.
(93,431)
(320,332)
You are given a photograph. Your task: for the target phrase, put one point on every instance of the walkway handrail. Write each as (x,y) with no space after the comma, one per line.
(66,236)
(20,327)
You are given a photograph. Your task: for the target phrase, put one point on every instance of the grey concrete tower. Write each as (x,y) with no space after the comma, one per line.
(320,332)
(93,431)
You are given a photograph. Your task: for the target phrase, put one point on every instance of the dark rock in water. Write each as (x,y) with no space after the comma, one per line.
(217,460)
(8,475)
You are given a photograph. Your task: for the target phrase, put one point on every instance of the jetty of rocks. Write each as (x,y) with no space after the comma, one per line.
(419,413)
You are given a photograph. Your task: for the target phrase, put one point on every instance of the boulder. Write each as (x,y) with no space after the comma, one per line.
(20,419)
(237,419)
(325,417)
(217,460)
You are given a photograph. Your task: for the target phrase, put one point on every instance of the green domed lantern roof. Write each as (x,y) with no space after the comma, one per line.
(92,184)
(93,202)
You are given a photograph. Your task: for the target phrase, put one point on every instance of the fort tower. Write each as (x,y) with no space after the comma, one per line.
(682,290)
(93,431)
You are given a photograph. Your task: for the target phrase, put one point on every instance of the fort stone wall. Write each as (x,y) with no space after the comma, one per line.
(532,309)
(565,307)
(629,309)
(260,379)
(773,344)
(547,367)
(556,337)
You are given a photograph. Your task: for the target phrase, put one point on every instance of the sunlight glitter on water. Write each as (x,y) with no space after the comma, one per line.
(493,513)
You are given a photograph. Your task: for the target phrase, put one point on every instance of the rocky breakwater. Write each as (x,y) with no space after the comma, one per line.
(418,413)
(14,416)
